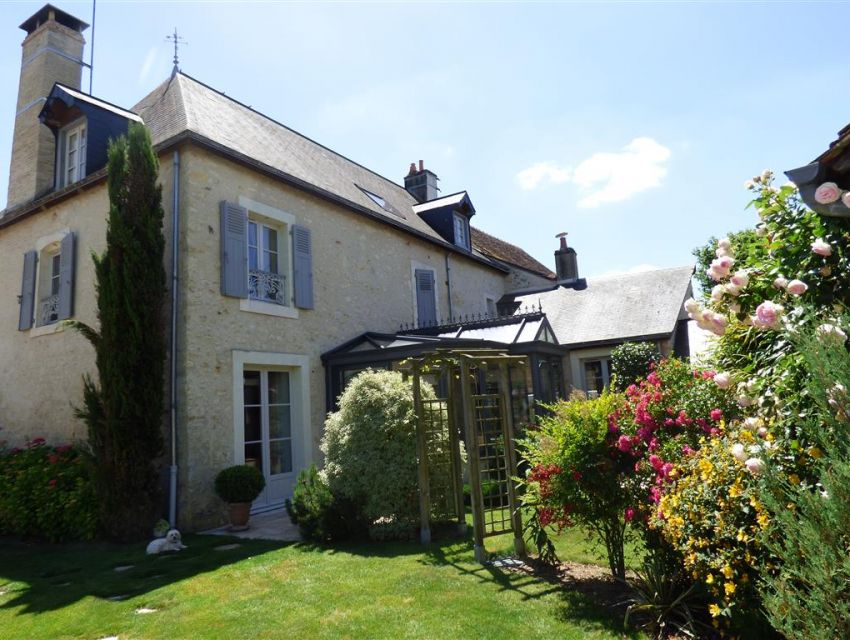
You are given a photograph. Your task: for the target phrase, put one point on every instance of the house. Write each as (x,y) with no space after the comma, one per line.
(292,267)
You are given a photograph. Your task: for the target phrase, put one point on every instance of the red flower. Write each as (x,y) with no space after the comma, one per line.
(629,514)
(716,415)
(52,483)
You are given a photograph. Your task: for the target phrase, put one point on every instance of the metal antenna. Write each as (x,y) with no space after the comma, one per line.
(91,48)
(177,40)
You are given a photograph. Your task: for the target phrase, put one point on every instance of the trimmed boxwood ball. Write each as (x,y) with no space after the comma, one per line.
(239,483)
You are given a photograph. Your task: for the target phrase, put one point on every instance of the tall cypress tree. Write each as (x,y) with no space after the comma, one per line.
(124,408)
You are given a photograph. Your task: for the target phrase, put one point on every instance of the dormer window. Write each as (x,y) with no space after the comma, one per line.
(461,224)
(73,156)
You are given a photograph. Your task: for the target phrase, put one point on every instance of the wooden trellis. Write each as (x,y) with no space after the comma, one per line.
(486,422)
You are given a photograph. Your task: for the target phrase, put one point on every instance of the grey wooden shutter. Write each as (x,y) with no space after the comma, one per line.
(426,303)
(66,277)
(302,266)
(234,250)
(27,291)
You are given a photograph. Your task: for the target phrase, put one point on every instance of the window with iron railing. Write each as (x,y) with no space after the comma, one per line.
(266,282)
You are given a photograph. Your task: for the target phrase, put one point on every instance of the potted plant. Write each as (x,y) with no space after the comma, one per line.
(239,486)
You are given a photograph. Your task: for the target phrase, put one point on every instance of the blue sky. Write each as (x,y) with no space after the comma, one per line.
(632,126)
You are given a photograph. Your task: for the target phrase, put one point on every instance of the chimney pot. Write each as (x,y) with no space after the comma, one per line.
(566,262)
(412,169)
(421,165)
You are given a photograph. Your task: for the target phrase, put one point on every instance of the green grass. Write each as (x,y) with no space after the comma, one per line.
(269,590)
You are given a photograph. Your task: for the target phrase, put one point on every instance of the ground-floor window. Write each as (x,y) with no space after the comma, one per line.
(597,375)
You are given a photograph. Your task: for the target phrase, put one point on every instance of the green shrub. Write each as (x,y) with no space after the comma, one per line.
(632,361)
(319,515)
(239,483)
(370,451)
(808,594)
(47,492)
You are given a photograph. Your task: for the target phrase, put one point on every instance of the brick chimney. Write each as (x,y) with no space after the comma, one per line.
(52,51)
(421,183)
(566,262)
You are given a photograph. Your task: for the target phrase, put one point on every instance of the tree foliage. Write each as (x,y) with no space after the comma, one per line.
(632,361)
(123,408)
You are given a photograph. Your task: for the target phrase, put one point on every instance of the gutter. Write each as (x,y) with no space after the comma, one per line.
(175,255)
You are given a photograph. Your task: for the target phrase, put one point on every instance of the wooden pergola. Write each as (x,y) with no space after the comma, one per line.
(486,424)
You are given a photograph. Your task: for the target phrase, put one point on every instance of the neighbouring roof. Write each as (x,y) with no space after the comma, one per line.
(615,308)
(502,251)
(183,104)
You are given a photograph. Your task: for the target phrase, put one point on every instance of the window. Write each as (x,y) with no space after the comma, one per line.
(266,259)
(48,286)
(596,376)
(490,305)
(73,165)
(47,289)
(266,281)
(461,225)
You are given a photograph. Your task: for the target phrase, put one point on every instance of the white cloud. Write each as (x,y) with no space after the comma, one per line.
(614,177)
(531,177)
(147,65)
(606,177)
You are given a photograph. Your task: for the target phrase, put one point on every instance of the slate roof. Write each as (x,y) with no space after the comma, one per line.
(615,308)
(182,103)
(502,251)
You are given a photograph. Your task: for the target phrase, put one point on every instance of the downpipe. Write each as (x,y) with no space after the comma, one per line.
(175,235)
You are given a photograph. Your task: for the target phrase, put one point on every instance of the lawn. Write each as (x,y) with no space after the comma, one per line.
(267,590)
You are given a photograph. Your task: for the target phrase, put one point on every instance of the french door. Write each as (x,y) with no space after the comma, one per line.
(267,402)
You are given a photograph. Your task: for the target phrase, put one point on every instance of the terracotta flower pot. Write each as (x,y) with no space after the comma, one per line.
(239,513)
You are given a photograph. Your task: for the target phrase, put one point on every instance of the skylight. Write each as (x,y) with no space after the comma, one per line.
(377,199)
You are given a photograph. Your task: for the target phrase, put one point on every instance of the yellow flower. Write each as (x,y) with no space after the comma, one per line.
(735,490)
(727,571)
(729,588)
(815,452)
(709,579)
(714,610)
(762,520)
(794,478)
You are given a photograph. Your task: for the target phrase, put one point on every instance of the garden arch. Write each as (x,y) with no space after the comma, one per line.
(485,421)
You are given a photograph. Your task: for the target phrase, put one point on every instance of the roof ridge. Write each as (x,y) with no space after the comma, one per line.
(298,133)
(635,274)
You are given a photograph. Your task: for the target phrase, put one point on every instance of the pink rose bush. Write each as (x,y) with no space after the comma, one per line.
(827,193)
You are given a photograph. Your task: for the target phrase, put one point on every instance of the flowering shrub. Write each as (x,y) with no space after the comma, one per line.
(572,478)
(46,492)
(713,517)
(661,424)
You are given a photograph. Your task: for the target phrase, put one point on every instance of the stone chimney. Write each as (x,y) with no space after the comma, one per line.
(566,263)
(52,52)
(421,183)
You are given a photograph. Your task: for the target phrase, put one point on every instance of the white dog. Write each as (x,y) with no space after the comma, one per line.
(171,542)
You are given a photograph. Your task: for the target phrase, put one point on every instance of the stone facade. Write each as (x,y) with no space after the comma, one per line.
(363,281)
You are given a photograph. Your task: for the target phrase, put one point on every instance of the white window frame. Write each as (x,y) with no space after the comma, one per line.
(80,130)
(45,248)
(282,222)
(414,265)
(461,223)
(298,366)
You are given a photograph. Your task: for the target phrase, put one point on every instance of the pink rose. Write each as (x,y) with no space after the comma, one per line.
(725,262)
(722,380)
(656,462)
(767,315)
(624,444)
(846,199)
(738,452)
(754,465)
(780,282)
(716,415)
(821,247)
(740,279)
(796,287)
(827,193)
(629,514)
(831,331)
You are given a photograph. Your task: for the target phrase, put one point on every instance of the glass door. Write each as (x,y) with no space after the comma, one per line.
(268,433)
